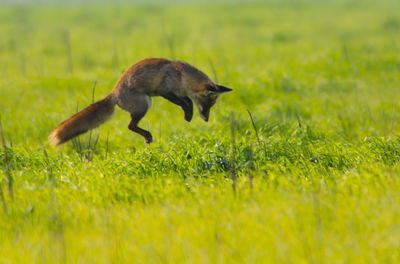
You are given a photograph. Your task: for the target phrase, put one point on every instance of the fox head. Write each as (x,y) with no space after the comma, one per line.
(200,89)
(206,97)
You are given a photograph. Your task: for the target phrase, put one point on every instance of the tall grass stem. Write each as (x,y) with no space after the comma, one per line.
(9,175)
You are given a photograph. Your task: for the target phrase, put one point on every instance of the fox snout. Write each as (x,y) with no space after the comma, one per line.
(205,114)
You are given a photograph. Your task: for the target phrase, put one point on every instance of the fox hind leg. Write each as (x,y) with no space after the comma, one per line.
(133,126)
(138,111)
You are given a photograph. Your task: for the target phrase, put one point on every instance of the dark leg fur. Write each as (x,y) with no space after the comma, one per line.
(189,109)
(133,125)
(185,103)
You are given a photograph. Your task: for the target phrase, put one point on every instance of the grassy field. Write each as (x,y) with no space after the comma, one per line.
(321,80)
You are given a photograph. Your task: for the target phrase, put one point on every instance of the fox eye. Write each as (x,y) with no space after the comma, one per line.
(211,89)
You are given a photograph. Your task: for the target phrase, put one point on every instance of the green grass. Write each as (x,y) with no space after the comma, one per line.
(321,80)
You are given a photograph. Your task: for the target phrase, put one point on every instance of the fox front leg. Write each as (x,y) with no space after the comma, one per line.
(185,103)
(189,108)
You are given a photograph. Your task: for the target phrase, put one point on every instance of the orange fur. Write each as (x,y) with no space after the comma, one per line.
(89,118)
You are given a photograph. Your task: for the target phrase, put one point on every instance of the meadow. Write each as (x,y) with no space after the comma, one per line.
(315,179)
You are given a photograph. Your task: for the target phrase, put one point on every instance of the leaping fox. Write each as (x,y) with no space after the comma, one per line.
(176,81)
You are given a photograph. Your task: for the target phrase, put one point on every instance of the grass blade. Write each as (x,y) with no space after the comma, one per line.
(254,126)
(10,178)
(233,166)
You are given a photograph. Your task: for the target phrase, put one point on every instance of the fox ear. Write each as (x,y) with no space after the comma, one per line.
(223,89)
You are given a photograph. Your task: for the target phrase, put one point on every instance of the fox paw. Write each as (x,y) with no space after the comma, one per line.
(188,117)
(148,138)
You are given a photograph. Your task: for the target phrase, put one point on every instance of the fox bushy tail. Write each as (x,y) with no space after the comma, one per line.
(89,118)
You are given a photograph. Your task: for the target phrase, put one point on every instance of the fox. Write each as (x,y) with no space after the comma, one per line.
(177,81)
